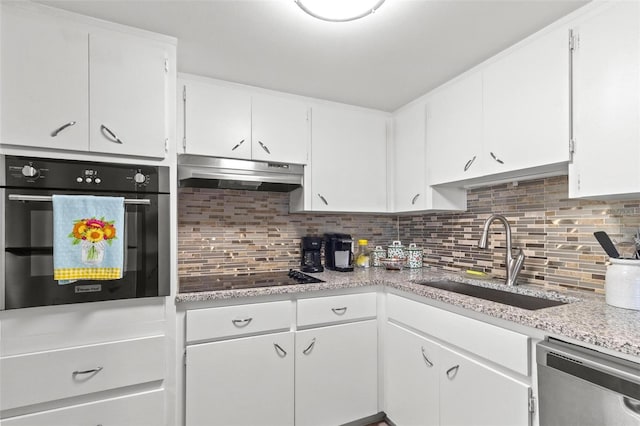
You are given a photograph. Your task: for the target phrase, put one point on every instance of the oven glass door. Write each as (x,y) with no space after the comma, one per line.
(28,251)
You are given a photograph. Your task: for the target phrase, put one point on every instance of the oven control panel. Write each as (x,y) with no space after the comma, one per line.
(70,174)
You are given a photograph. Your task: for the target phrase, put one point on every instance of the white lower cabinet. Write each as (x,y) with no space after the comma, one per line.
(411,383)
(246,381)
(336,374)
(472,393)
(141,409)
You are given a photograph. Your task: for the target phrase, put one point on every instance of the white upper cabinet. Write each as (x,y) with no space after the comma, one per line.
(44,90)
(526,106)
(410,181)
(71,85)
(349,160)
(508,118)
(128,95)
(280,129)
(411,190)
(454,131)
(606,87)
(219,119)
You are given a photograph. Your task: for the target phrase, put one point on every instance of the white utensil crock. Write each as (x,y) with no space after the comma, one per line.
(622,283)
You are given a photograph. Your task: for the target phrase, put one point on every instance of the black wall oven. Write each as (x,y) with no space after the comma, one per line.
(26,229)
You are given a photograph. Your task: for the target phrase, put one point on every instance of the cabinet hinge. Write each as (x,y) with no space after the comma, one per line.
(166,65)
(574,40)
(185,358)
(184,93)
(532,402)
(166,145)
(572,148)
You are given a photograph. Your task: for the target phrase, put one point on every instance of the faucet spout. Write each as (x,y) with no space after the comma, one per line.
(512,265)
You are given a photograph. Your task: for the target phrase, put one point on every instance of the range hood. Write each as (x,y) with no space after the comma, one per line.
(224,173)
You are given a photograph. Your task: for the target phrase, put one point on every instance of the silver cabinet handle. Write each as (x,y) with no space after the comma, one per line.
(48,198)
(237,145)
(496,158)
(61,128)
(83,372)
(240,323)
(110,135)
(339,311)
(426,359)
(469,163)
(451,373)
(310,347)
(413,200)
(631,404)
(324,200)
(264,147)
(280,351)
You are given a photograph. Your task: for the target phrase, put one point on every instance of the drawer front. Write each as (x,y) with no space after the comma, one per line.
(80,370)
(336,309)
(494,343)
(141,409)
(228,321)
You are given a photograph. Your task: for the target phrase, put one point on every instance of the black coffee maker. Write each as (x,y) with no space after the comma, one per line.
(338,254)
(310,248)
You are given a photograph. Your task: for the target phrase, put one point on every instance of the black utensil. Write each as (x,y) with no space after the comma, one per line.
(606,244)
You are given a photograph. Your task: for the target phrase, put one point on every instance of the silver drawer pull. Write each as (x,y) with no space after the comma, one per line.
(496,158)
(264,147)
(83,372)
(427,360)
(324,200)
(310,347)
(280,351)
(339,311)
(61,128)
(469,163)
(110,135)
(237,145)
(413,200)
(242,322)
(451,373)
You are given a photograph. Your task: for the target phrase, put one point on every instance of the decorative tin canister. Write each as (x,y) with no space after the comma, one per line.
(622,283)
(414,256)
(377,254)
(395,250)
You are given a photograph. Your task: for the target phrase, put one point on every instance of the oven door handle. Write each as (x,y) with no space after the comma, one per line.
(21,197)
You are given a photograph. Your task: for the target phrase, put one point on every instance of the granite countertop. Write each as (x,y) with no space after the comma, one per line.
(586,318)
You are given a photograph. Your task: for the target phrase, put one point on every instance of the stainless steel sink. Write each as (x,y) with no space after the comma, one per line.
(518,300)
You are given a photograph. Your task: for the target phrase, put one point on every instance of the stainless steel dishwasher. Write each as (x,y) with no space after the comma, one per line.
(580,386)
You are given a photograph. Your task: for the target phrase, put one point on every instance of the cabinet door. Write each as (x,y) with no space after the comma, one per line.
(409,159)
(472,393)
(411,388)
(128,86)
(348,160)
(280,130)
(217,120)
(44,90)
(336,374)
(454,131)
(526,106)
(247,381)
(606,66)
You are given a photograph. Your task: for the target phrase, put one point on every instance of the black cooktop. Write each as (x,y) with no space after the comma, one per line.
(245,281)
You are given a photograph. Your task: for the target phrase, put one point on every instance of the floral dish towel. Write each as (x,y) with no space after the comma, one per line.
(87,238)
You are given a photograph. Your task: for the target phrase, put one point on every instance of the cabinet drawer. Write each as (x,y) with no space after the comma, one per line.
(141,409)
(497,344)
(80,370)
(212,323)
(336,308)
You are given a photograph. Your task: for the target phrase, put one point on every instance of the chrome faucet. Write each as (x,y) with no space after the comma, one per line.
(513,265)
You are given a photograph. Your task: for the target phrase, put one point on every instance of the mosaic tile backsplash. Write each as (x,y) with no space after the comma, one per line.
(228,231)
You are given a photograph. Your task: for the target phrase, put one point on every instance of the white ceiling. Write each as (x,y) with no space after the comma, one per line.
(382,61)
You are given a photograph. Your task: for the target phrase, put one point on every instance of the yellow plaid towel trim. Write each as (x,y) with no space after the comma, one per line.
(87,274)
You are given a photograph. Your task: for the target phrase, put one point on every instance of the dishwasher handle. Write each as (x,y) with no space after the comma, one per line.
(604,370)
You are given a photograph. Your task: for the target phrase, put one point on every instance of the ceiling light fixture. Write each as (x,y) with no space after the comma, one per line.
(339,10)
